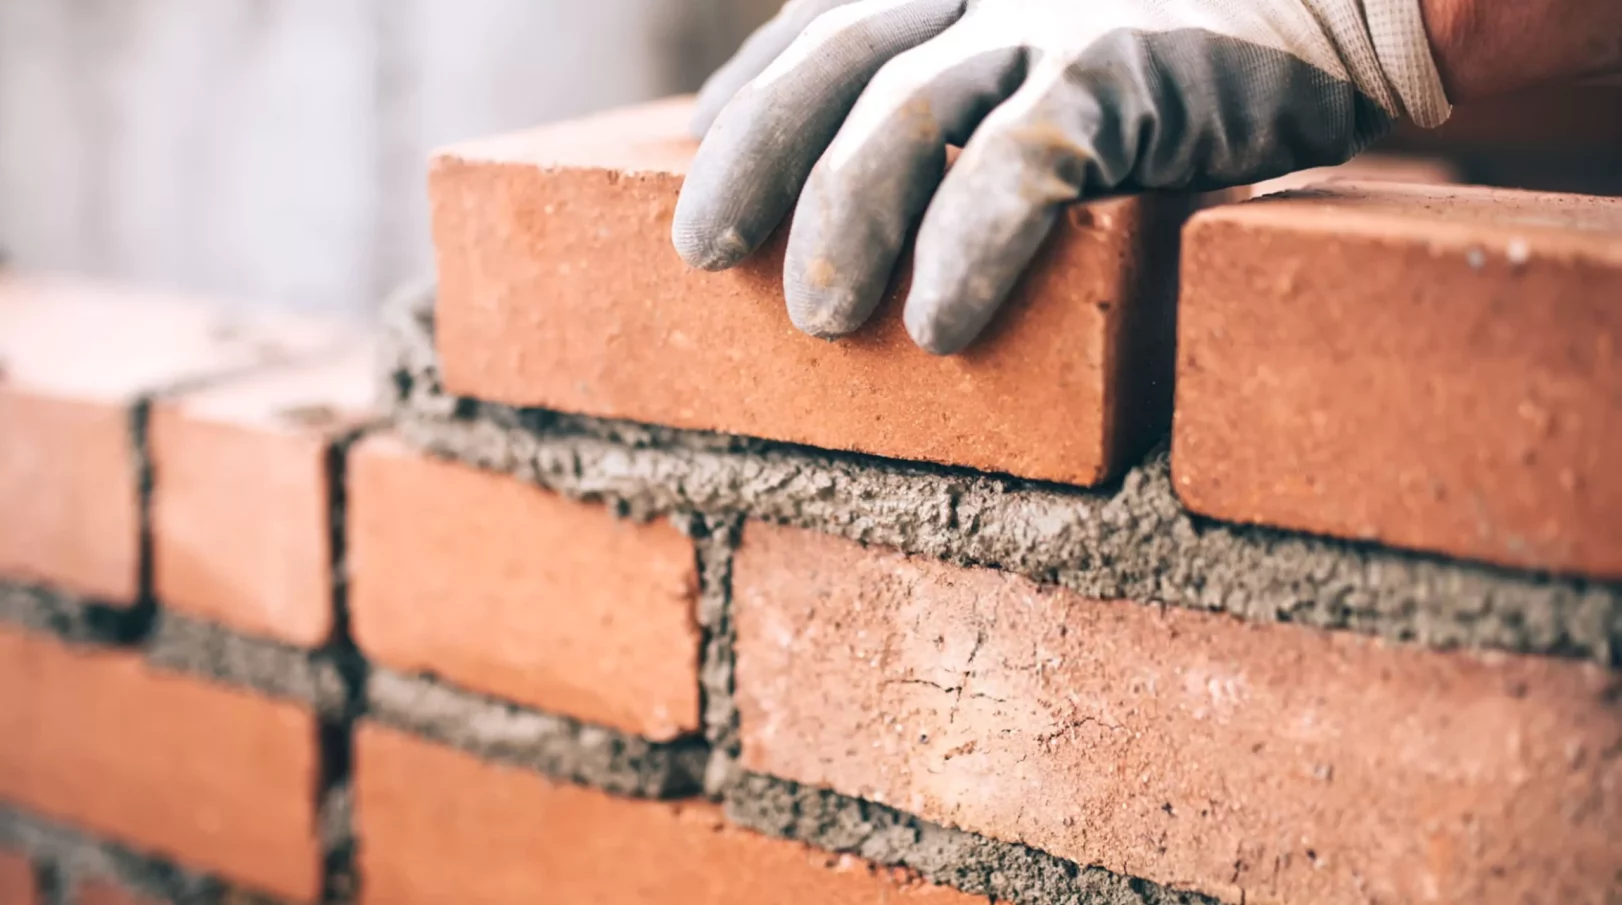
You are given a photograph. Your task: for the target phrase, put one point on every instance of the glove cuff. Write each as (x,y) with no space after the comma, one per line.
(1397,28)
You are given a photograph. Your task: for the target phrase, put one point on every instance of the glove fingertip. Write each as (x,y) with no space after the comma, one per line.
(710,249)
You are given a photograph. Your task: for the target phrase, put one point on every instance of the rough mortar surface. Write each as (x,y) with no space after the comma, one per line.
(279,670)
(553,745)
(68,617)
(1130,541)
(1003,871)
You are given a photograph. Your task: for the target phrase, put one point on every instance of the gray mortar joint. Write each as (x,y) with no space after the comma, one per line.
(1129,541)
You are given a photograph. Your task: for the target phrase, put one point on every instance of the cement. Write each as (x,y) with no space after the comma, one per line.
(556,746)
(72,619)
(1131,541)
(974,864)
(269,667)
(715,546)
(72,858)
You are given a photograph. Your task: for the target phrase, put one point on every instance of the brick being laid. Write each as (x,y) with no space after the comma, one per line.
(516,592)
(558,288)
(440,825)
(77,360)
(1251,762)
(1435,368)
(217,779)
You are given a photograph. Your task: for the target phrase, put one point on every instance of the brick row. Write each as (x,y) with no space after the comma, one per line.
(558,287)
(214,778)
(1254,762)
(75,356)
(441,826)
(1437,368)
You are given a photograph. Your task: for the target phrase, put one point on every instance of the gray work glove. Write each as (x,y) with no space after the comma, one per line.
(849,105)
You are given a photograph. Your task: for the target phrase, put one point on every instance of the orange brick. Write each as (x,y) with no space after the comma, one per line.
(241,502)
(510,590)
(558,287)
(17,880)
(1435,368)
(217,779)
(1254,762)
(99,892)
(442,826)
(74,357)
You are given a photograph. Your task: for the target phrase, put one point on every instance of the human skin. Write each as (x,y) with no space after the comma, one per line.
(1489,47)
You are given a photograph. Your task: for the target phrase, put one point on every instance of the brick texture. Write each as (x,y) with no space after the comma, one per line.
(1434,368)
(440,826)
(17,880)
(507,589)
(1258,763)
(558,288)
(74,357)
(217,779)
(241,498)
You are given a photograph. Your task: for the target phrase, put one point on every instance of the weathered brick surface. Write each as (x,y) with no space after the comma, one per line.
(558,287)
(17,880)
(441,826)
(241,496)
(1259,763)
(74,357)
(1435,368)
(213,778)
(506,589)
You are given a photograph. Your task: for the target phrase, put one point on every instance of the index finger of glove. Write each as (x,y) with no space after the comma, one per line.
(766,44)
(755,158)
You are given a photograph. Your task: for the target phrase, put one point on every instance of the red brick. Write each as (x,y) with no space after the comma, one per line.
(241,502)
(100,892)
(74,356)
(558,287)
(1435,368)
(510,590)
(217,779)
(17,880)
(442,826)
(1257,763)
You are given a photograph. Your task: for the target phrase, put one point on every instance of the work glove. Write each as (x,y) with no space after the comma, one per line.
(849,106)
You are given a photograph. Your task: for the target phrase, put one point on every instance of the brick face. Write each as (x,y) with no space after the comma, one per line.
(217,779)
(558,287)
(16,880)
(1434,368)
(440,826)
(1265,763)
(506,589)
(74,357)
(240,518)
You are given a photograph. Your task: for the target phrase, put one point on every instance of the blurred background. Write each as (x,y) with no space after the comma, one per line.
(275,151)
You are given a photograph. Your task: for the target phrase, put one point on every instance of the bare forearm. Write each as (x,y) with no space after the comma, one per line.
(1488,47)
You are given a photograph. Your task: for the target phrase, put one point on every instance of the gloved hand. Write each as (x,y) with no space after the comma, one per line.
(849,105)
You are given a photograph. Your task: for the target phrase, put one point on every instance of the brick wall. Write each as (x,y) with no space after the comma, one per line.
(608,587)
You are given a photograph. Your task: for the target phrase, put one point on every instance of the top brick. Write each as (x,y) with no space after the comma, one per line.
(559,288)
(1431,367)
(75,357)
